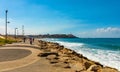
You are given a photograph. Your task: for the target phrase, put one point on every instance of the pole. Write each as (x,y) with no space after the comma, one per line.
(23,30)
(15,32)
(6,25)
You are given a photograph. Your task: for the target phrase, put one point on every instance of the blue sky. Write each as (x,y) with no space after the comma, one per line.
(84,18)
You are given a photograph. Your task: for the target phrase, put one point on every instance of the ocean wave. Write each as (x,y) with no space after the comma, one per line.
(106,57)
(68,44)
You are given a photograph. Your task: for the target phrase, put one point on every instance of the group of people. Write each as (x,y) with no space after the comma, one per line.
(31,40)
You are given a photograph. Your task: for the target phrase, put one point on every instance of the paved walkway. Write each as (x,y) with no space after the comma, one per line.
(9,54)
(13,64)
(30,62)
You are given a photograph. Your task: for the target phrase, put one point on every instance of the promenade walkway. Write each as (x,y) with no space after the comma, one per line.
(23,57)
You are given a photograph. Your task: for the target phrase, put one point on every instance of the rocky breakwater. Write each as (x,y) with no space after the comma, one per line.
(62,57)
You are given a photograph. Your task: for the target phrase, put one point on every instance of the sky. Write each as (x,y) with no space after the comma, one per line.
(83,18)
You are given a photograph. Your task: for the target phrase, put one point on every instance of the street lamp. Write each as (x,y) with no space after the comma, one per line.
(15,32)
(22,30)
(6,25)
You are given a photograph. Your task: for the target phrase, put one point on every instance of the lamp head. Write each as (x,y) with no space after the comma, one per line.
(8,22)
(6,11)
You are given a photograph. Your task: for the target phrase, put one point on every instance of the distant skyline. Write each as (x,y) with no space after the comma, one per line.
(83,18)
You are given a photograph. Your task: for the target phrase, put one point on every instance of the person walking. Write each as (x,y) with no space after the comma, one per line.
(24,39)
(31,41)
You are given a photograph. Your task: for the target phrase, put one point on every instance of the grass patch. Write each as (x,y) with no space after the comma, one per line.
(9,41)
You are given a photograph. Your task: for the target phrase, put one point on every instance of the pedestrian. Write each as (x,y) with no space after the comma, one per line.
(31,41)
(24,39)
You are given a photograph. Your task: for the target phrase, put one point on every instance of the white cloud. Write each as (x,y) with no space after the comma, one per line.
(109,32)
(108,29)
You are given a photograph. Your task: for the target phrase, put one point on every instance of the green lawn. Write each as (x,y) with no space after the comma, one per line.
(3,41)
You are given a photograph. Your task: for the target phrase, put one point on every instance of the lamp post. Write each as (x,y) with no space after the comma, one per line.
(22,30)
(6,11)
(15,32)
(6,24)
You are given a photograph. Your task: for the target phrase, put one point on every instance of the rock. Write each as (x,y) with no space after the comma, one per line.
(54,50)
(94,68)
(67,58)
(77,59)
(56,43)
(77,66)
(45,54)
(87,64)
(64,50)
(50,57)
(55,47)
(86,71)
(107,69)
(97,63)
(65,65)
(53,61)
(46,50)
(61,58)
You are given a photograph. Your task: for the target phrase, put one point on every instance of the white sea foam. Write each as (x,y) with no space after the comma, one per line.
(71,45)
(105,57)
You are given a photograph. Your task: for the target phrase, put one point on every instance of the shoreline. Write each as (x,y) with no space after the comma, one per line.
(57,53)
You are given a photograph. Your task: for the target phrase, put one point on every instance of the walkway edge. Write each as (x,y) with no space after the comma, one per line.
(9,65)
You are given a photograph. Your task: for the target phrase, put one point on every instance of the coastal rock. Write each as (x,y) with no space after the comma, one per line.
(45,54)
(97,63)
(61,58)
(77,59)
(86,71)
(87,64)
(53,61)
(77,66)
(50,57)
(54,50)
(94,68)
(56,44)
(67,58)
(64,51)
(107,69)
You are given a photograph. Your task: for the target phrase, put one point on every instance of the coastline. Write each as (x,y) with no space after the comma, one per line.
(58,54)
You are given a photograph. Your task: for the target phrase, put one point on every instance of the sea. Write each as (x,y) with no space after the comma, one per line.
(103,50)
